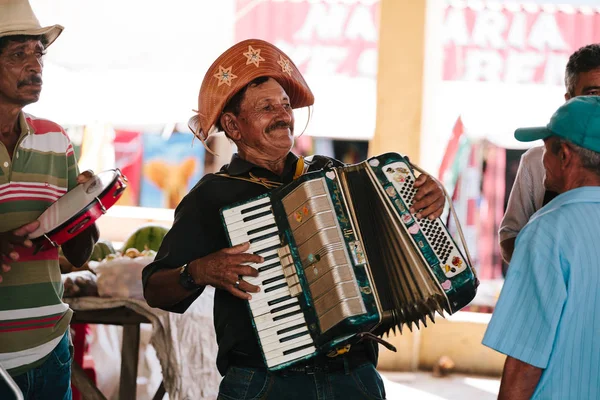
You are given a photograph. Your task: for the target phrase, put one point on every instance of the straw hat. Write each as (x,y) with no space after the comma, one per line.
(17,18)
(233,70)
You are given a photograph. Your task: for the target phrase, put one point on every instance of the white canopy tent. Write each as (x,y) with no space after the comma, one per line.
(129,62)
(136,62)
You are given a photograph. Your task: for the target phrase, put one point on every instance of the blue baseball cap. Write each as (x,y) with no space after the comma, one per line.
(578,121)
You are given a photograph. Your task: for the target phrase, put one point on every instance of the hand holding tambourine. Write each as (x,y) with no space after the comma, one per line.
(10,239)
(68,216)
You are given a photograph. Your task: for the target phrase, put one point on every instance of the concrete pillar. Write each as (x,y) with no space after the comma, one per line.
(400,78)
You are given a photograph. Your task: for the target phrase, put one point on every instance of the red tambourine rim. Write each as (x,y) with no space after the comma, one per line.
(84,210)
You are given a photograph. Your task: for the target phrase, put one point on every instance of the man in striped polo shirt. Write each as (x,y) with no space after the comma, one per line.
(547,320)
(37,166)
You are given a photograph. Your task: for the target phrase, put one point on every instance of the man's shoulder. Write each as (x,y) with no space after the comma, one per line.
(552,220)
(533,155)
(531,173)
(205,184)
(209,188)
(43,126)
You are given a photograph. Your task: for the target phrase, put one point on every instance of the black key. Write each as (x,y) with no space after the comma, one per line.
(268,267)
(271,257)
(294,336)
(258,207)
(274,279)
(277,309)
(279,300)
(291,328)
(297,349)
(256,216)
(264,237)
(272,288)
(274,247)
(262,228)
(287,315)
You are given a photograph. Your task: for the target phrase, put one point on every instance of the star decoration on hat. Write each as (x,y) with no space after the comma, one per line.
(225,76)
(253,56)
(286,66)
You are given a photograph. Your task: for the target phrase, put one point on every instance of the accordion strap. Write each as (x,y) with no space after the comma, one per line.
(301,169)
(252,179)
(452,211)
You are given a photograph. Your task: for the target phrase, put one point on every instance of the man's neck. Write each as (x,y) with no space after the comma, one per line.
(9,120)
(584,178)
(276,166)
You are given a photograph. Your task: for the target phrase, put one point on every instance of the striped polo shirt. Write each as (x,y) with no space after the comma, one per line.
(548,313)
(33,317)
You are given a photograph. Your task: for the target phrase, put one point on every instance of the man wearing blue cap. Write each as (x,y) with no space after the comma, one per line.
(546,318)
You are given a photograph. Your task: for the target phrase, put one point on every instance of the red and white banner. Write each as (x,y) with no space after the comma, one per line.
(326,37)
(514,43)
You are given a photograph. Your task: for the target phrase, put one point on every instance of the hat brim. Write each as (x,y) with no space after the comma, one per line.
(532,134)
(50,32)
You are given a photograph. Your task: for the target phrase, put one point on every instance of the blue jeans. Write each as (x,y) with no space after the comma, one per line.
(51,380)
(362,382)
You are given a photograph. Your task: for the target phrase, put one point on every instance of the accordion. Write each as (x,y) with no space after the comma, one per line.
(343,256)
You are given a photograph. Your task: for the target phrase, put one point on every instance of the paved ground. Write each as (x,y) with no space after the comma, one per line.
(423,386)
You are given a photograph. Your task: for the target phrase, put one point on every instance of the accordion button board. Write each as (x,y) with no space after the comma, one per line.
(451,260)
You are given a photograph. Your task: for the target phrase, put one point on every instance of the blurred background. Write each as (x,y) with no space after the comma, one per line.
(444,82)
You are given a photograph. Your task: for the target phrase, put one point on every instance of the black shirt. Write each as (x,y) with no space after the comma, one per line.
(197,231)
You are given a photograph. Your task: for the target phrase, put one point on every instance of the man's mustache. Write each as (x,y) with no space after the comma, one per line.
(34,80)
(280,125)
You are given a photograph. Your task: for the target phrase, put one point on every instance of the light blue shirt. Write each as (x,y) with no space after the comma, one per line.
(548,314)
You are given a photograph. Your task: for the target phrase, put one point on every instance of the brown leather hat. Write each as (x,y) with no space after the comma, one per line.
(237,67)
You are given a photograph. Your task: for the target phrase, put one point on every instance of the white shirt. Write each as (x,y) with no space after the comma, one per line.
(527,194)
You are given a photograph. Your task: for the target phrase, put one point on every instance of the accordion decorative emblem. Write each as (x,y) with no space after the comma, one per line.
(344,257)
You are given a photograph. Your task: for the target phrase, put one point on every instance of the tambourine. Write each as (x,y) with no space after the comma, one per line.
(78,209)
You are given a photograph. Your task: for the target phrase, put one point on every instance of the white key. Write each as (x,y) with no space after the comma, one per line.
(238,209)
(260,223)
(277,324)
(269,318)
(268,274)
(276,349)
(241,225)
(290,357)
(307,339)
(267,308)
(289,339)
(274,340)
(246,238)
(244,219)
(263,297)
(272,330)
(254,247)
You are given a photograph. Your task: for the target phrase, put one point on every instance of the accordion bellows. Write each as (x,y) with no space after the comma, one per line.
(343,256)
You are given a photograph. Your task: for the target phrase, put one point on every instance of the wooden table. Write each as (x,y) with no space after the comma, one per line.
(130,321)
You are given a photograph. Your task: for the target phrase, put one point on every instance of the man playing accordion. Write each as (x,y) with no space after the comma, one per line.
(249,93)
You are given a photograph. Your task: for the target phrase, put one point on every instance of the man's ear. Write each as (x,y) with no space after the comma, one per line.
(230,126)
(567,96)
(566,155)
